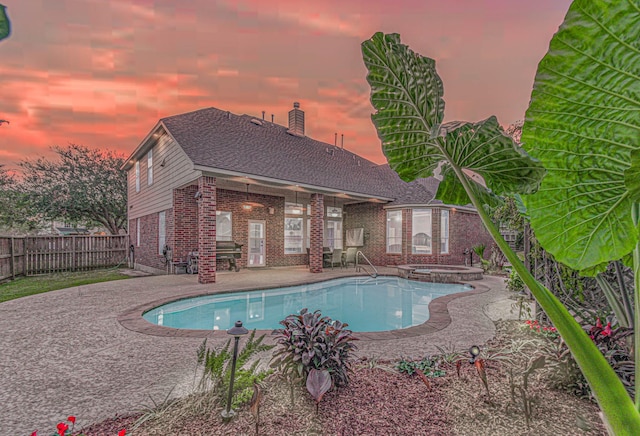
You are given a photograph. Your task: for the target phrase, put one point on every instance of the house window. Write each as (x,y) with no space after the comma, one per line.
(444,231)
(394,231)
(150,167)
(293,228)
(421,231)
(137,232)
(162,231)
(137,176)
(223,226)
(333,233)
(293,232)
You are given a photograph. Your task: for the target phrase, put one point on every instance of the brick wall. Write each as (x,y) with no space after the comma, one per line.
(185,216)
(147,254)
(316,234)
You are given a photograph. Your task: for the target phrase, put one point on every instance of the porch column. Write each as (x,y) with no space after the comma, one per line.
(317,228)
(207,230)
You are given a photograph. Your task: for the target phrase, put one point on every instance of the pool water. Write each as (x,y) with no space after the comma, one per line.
(366,304)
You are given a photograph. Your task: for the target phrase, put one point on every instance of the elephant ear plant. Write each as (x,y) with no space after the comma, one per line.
(408,96)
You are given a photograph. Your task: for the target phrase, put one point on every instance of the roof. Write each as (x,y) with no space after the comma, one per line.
(218,139)
(419,191)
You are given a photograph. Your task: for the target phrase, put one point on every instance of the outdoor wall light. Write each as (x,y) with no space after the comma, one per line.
(475,352)
(236,331)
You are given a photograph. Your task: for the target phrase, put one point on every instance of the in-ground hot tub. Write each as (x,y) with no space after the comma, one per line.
(440,273)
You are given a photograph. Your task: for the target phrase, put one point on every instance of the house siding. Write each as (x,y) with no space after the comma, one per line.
(177,171)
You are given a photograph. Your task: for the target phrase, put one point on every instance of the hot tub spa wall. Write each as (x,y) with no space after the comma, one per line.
(465,231)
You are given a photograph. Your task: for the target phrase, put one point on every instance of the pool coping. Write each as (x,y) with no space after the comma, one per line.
(439,317)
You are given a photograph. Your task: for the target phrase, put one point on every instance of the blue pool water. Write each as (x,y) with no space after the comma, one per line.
(366,304)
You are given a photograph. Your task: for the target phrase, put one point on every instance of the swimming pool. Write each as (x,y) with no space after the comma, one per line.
(366,304)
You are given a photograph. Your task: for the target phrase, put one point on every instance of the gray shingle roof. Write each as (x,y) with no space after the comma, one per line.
(218,139)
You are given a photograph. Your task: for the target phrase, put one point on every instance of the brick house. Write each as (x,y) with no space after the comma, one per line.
(211,175)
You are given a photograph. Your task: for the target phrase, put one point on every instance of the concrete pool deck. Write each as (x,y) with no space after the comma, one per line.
(67,353)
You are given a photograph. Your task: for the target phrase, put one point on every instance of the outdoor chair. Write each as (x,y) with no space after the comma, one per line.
(336,257)
(350,256)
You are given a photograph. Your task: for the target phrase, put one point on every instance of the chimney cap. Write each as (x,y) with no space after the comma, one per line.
(296,104)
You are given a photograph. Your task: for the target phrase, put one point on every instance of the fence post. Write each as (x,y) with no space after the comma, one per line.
(12,261)
(73,253)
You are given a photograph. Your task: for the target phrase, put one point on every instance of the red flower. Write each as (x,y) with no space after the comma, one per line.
(62,428)
(598,323)
(607,330)
(122,432)
(72,420)
(35,433)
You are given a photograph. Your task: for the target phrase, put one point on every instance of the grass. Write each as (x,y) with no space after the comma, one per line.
(24,286)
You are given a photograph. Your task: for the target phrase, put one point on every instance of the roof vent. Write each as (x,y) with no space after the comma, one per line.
(296,120)
(256,121)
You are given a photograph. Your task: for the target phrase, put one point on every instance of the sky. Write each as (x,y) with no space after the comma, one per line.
(101,73)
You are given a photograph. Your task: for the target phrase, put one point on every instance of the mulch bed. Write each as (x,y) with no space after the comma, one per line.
(381,401)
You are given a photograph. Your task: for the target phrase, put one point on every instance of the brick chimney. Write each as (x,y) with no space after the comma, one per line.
(296,120)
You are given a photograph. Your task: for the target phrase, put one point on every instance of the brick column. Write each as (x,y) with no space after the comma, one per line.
(317,232)
(207,230)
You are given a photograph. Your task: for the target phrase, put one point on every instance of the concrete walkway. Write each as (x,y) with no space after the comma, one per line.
(66,353)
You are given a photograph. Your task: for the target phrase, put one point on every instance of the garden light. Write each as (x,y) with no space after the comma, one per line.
(475,352)
(236,331)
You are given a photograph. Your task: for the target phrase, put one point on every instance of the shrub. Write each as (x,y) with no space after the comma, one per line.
(217,369)
(514,282)
(312,341)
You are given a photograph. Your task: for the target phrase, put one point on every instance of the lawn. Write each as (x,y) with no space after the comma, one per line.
(25,286)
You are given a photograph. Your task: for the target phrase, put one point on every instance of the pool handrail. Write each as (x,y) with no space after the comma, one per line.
(374,274)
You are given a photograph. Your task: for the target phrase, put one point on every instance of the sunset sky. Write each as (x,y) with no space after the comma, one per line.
(102,72)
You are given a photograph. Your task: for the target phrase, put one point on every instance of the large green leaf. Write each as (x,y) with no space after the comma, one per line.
(407,93)
(415,146)
(583,124)
(5,25)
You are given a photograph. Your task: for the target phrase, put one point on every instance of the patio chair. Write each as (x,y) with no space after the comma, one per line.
(336,257)
(350,256)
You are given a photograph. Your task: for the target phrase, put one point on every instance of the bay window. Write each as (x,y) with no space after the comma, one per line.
(394,231)
(421,234)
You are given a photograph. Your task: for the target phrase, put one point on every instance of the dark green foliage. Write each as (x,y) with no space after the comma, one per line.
(312,341)
(217,369)
(83,185)
(429,366)
(514,282)
(564,372)
(5,24)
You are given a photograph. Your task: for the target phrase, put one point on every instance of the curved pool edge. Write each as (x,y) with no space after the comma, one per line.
(439,317)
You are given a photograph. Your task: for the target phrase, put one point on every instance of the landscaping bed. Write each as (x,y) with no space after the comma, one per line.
(379,400)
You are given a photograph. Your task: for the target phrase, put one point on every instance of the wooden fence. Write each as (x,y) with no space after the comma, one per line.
(31,255)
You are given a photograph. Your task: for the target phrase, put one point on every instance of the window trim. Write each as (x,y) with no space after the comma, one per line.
(447,238)
(219,214)
(162,231)
(395,238)
(414,234)
(150,167)
(137,166)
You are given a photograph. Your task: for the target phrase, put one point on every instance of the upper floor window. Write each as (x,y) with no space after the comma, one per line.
(444,231)
(150,167)
(421,231)
(394,231)
(137,176)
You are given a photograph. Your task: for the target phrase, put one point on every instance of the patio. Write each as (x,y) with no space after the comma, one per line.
(66,353)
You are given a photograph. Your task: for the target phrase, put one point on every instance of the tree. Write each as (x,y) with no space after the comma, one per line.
(82,186)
